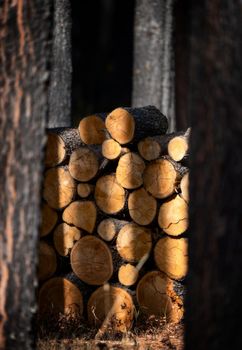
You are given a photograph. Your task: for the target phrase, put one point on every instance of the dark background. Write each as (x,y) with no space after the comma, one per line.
(102,45)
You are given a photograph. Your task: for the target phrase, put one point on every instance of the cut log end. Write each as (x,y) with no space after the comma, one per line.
(84,190)
(111,308)
(109,195)
(65,237)
(177,148)
(109,228)
(130,170)
(58,295)
(92,130)
(149,149)
(82,214)
(55,150)
(128,275)
(91,260)
(171,256)
(48,221)
(184,187)
(142,207)
(111,149)
(83,164)
(155,296)
(134,242)
(47,261)
(121,125)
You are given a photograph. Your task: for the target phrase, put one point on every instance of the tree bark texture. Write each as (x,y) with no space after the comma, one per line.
(61,67)
(214,303)
(153,74)
(24,54)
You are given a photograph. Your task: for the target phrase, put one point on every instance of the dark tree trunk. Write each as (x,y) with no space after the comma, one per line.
(153,77)
(24,55)
(214,303)
(59,114)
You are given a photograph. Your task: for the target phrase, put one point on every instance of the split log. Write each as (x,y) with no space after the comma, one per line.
(82,214)
(178,146)
(110,196)
(59,295)
(161,177)
(184,187)
(59,187)
(134,242)
(112,150)
(65,237)
(84,190)
(111,308)
(128,274)
(173,216)
(109,228)
(132,124)
(129,172)
(171,256)
(61,142)
(91,260)
(156,296)
(142,206)
(47,261)
(92,129)
(48,221)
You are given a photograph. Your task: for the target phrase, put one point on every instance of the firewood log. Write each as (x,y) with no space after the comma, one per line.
(132,124)
(64,238)
(173,216)
(171,256)
(129,172)
(61,142)
(134,242)
(84,190)
(184,187)
(59,295)
(178,146)
(111,308)
(47,261)
(48,220)
(109,228)
(142,207)
(156,296)
(128,274)
(91,260)
(110,196)
(92,129)
(82,214)
(112,150)
(59,187)
(162,176)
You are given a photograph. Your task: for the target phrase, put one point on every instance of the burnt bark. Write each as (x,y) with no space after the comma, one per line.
(214,303)
(24,55)
(153,74)
(59,114)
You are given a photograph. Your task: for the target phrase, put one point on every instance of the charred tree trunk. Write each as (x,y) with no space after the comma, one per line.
(153,77)
(59,114)
(24,30)
(214,304)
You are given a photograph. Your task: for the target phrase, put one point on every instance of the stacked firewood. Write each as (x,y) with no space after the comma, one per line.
(114,218)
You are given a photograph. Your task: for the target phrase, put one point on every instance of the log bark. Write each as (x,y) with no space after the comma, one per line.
(64,238)
(48,221)
(142,207)
(47,261)
(214,100)
(129,172)
(111,308)
(132,124)
(92,129)
(109,228)
(61,67)
(153,74)
(24,62)
(91,260)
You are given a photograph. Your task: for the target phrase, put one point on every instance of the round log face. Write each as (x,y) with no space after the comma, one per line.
(129,172)
(142,207)
(134,242)
(177,148)
(64,238)
(171,256)
(184,186)
(160,178)
(109,195)
(153,296)
(49,220)
(121,125)
(59,187)
(149,149)
(82,214)
(55,150)
(58,295)
(47,261)
(173,216)
(92,130)
(111,149)
(91,260)
(106,229)
(84,190)
(111,308)
(128,275)
(83,164)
